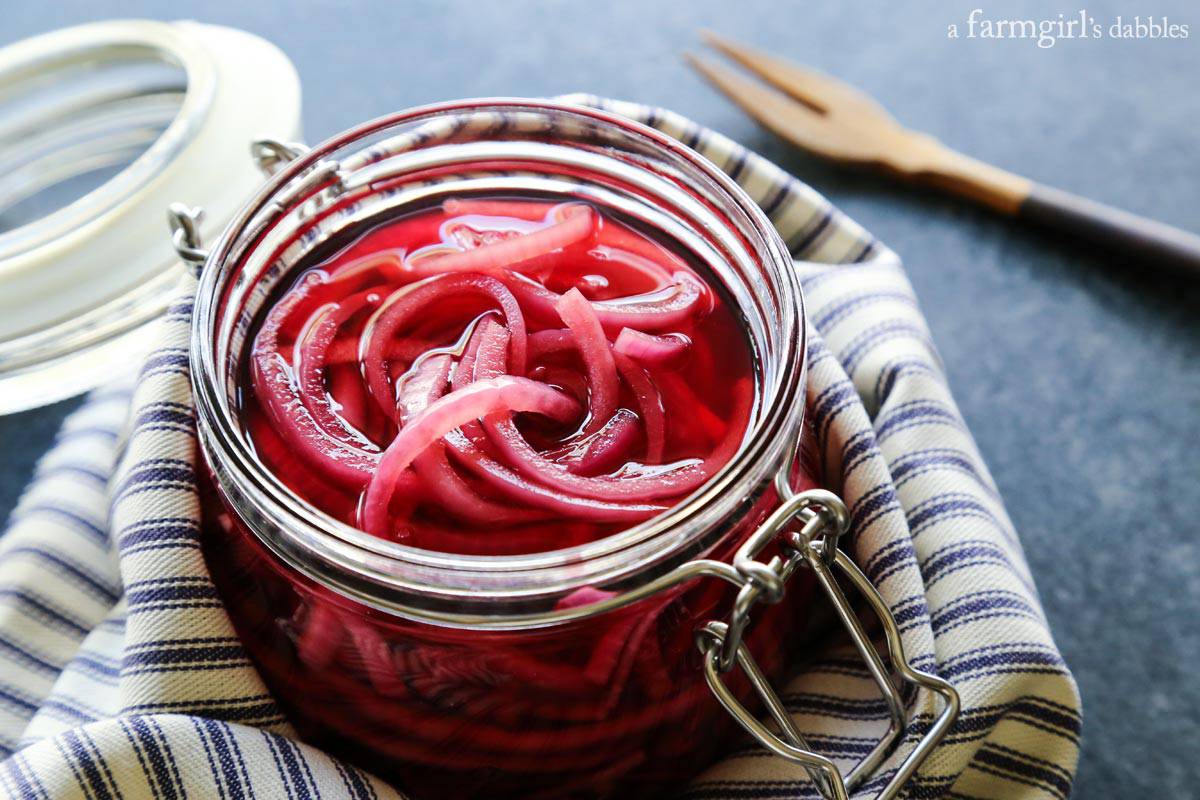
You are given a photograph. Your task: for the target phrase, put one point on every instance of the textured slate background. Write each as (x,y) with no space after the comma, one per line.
(1079,376)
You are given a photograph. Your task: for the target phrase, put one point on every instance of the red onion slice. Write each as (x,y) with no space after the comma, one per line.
(276,385)
(665,308)
(528,210)
(650,406)
(506,393)
(646,395)
(604,450)
(403,305)
(344,350)
(649,482)
(576,312)
(531,493)
(547,342)
(386,261)
(650,349)
(350,398)
(309,359)
(456,497)
(655,483)
(423,384)
(577,223)
(465,443)
(654,271)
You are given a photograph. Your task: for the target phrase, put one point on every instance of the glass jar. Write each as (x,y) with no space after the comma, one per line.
(463,676)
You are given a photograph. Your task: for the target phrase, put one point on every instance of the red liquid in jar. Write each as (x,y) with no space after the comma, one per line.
(499,376)
(611,705)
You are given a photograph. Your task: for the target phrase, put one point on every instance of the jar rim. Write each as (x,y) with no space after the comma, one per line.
(408,572)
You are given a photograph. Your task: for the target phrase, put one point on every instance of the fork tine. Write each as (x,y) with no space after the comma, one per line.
(797,123)
(813,88)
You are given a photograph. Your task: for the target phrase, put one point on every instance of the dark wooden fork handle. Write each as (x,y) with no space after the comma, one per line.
(1147,244)
(1153,244)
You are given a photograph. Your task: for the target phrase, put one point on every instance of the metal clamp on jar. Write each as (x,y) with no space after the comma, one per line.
(466,675)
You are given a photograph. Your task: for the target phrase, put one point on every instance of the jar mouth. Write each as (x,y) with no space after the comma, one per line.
(350,180)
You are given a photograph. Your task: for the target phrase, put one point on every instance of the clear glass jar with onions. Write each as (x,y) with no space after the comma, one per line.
(564,669)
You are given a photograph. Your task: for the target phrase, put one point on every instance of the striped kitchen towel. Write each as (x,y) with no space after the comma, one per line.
(121,676)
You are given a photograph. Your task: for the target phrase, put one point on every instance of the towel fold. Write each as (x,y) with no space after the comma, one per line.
(121,675)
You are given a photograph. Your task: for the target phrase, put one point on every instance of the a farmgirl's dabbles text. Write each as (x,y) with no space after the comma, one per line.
(498,376)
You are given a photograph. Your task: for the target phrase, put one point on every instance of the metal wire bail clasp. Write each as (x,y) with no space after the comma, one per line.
(824,514)
(823,520)
(271,154)
(185,233)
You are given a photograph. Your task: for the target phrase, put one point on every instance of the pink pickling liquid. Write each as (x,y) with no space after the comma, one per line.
(498,376)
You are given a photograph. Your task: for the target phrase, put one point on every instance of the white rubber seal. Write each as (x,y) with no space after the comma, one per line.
(79,286)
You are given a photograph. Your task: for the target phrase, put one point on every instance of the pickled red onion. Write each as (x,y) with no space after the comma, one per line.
(651,349)
(423,384)
(535,494)
(505,393)
(549,341)
(276,382)
(665,481)
(646,396)
(577,223)
(649,403)
(661,309)
(311,350)
(576,312)
(604,450)
(399,309)
(427,380)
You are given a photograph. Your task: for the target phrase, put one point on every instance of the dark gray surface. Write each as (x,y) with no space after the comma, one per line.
(1079,376)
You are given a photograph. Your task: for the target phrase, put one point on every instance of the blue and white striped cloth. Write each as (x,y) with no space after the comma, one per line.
(121,676)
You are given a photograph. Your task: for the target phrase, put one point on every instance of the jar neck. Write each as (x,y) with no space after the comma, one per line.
(416,158)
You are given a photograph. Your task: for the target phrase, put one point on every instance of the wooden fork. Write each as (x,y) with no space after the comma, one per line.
(835,120)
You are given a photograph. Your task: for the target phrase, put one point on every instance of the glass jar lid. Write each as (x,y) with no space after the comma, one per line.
(102,126)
